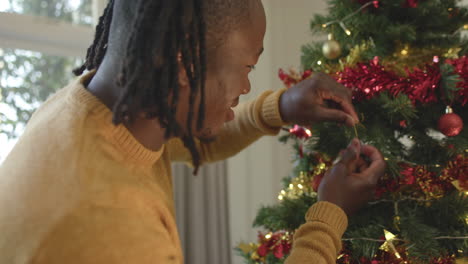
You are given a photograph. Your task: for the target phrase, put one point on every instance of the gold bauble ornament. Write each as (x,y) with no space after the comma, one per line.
(331,49)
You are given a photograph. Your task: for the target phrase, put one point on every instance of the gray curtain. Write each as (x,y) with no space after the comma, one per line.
(202,213)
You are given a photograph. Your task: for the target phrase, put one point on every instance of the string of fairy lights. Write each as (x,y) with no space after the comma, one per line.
(332,49)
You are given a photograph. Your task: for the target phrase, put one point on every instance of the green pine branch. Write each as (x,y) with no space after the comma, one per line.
(287,215)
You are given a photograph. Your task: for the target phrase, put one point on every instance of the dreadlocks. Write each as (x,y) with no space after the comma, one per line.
(97,50)
(159,31)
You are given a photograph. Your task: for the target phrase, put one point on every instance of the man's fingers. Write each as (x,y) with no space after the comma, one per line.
(338,170)
(333,115)
(345,104)
(377,166)
(350,156)
(371,152)
(375,171)
(362,165)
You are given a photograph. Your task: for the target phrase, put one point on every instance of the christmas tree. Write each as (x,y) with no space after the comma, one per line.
(407,66)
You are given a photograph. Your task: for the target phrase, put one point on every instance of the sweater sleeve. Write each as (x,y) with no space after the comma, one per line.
(318,241)
(102,235)
(253,120)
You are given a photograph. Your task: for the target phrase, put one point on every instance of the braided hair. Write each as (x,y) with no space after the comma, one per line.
(160,31)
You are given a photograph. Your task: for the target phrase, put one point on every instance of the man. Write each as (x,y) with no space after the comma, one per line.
(90,179)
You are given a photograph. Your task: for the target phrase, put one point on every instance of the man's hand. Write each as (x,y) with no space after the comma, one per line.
(318,99)
(351,182)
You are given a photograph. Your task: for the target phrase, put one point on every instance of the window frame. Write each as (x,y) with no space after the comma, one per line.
(46,35)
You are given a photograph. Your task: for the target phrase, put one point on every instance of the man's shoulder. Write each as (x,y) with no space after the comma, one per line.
(50,136)
(54,105)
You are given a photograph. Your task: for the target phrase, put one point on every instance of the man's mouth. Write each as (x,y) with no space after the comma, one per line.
(235,103)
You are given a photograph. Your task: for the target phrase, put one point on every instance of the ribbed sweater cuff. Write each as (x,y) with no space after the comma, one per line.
(330,214)
(270,110)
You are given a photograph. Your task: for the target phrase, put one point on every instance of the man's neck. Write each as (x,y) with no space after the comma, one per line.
(103,85)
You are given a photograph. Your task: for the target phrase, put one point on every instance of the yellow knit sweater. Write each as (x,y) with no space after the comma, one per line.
(77,189)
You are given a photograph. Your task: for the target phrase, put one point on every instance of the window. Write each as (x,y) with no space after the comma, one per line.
(27,79)
(37,57)
(73,11)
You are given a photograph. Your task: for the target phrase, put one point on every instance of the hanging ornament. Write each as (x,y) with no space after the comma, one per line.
(388,245)
(301,151)
(331,49)
(450,124)
(247,248)
(300,132)
(403,124)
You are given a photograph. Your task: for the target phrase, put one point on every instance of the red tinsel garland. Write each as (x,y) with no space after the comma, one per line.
(423,84)
(367,80)
(370,79)
(418,180)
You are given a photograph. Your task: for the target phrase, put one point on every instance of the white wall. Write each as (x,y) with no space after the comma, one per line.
(255,175)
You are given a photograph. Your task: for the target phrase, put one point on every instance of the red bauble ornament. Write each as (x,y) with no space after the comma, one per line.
(300,132)
(411,3)
(450,124)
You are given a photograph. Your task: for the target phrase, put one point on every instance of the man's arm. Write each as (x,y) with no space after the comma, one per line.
(318,241)
(253,120)
(344,189)
(304,104)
